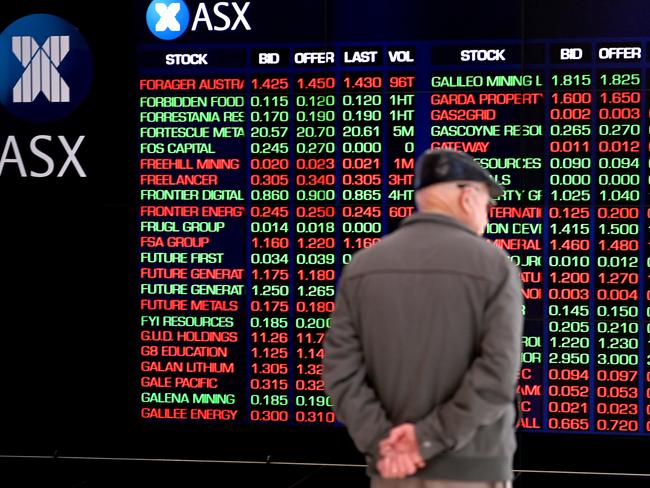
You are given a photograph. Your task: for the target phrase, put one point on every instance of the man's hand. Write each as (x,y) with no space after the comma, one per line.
(399,453)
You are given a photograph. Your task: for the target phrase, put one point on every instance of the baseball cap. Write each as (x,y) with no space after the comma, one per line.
(442,165)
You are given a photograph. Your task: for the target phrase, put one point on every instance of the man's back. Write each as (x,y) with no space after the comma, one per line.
(422,293)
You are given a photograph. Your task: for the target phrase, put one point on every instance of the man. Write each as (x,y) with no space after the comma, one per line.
(422,358)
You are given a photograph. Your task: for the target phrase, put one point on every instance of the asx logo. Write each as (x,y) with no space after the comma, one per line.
(47,68)
(169,19)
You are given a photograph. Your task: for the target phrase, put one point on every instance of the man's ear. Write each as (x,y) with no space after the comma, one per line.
(465,202)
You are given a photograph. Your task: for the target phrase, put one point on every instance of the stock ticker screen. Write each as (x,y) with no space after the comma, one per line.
(267,160)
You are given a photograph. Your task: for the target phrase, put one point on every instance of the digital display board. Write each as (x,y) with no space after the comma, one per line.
(255,154)
(263,166)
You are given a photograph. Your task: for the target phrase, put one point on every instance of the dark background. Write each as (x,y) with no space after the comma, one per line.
(68,359)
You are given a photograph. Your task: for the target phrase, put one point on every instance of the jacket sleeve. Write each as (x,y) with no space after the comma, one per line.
(354,401)
(488,387)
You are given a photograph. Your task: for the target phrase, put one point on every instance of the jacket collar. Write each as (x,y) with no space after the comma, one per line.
(434,218)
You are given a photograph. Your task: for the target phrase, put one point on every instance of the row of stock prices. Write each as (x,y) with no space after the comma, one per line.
(259,180)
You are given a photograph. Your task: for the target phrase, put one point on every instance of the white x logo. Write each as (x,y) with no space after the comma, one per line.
(40,63)
(168,17)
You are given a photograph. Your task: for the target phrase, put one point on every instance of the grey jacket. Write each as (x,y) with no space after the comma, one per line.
(427,329)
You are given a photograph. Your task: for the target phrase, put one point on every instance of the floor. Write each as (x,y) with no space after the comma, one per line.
(33,473)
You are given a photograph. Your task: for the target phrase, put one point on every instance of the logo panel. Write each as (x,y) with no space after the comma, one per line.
(167,19)
(48,68)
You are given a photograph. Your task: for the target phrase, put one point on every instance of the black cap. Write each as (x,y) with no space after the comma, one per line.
(442,165)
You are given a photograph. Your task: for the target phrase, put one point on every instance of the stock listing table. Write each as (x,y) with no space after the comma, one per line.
(263,170)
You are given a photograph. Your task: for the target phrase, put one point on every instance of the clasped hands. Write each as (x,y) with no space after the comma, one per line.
(399,453)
